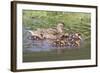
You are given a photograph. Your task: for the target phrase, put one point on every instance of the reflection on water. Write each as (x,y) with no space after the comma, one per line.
(41,45)
(44,45)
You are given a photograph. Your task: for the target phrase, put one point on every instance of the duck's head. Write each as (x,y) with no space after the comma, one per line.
(60,24)
(60,27)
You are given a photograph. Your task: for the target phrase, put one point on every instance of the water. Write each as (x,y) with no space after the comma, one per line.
(40,45)
(44,45)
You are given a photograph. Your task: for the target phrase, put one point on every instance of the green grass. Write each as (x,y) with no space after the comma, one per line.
(74,21)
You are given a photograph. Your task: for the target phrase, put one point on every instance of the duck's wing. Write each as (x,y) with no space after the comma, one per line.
(52,31)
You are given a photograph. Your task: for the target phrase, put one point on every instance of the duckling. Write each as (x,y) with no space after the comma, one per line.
(78,39)
(62,43)
(57,43)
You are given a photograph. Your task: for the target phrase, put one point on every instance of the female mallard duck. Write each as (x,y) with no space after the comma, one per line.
(54,33)
(50,33)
